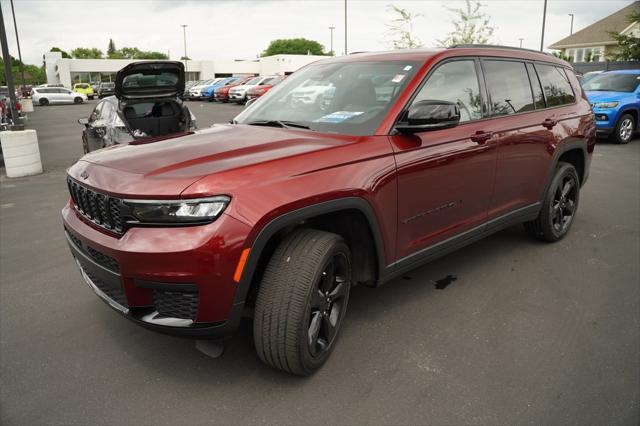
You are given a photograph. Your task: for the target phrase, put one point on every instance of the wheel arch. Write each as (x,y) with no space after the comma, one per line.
(573,151)
(322,216)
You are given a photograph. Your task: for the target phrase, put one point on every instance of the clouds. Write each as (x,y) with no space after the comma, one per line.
(229,29)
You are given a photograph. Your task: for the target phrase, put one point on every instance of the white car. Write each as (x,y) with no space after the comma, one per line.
(311,92)
(196,91)
(56,95)
(239,93)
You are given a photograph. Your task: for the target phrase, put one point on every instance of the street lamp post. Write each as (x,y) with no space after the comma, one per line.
(521,39)
(15,26)
(544,18)
(571,31)
(345,27)
(184,38)
(7,73)
(331,29)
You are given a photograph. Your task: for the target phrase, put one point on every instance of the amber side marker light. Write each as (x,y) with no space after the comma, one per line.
(243,260)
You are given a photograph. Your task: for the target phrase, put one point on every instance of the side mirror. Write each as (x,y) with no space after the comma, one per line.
(430,115)
(83,121)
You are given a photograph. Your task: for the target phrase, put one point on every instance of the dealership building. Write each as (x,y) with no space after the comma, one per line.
(70,71)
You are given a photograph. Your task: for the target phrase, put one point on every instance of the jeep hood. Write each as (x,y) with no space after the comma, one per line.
(605,96)
(167,167)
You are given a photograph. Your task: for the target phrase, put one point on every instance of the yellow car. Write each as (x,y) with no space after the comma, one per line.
(84,88)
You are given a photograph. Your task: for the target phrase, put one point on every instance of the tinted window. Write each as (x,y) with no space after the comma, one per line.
(107,111)
(613,82)
(555,85)
(162,79)
(96,112)
(43,90)
(535,86)
(455,82)
(509,88)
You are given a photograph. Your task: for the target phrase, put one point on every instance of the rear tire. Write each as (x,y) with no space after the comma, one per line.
(77,100)
(302,301)
(43,101)
(559,206)
(624,130)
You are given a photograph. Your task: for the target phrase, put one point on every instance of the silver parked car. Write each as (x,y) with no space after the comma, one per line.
(56,95)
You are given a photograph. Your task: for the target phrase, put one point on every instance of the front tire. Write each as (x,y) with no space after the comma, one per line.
(302,301)
(559,206)
(77,100)
(43,101)
(624,130)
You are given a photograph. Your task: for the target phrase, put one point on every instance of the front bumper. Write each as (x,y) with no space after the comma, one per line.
(172,280)
(237,97)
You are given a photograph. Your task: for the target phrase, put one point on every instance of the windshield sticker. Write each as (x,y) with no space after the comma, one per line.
(338,116)
(398,78)
(407,68)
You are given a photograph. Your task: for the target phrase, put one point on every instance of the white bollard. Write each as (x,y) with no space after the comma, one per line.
(21,153)
(27,105)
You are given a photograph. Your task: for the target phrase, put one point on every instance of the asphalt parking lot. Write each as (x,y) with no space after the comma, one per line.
(528,333)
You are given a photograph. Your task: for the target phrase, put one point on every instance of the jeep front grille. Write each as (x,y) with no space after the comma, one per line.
(101,209)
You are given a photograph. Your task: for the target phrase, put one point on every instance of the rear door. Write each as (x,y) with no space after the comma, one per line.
(445,177)
(525,127)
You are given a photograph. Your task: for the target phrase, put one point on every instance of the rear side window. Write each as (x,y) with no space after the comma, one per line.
(538,97)
(456,82)
(509,88)
(555,85)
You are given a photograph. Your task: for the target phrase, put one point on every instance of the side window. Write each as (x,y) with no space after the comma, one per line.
(508,86)
(456,82)
(555,85)
(107,111)
(535,86)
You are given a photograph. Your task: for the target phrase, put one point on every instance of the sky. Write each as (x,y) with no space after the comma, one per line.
(241,29)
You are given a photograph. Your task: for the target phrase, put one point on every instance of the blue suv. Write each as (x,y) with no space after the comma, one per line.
(209,92)
(615,99)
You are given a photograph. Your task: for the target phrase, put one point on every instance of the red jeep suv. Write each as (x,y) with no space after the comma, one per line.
(400,158)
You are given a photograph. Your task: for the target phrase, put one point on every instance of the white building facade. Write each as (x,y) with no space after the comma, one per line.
(70,71)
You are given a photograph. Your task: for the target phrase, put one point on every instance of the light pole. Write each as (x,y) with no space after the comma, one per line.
(544,18)
(571,31)
(7,73)
(184,38)
(331,29)
(13,12)
(345,27)
(521,42)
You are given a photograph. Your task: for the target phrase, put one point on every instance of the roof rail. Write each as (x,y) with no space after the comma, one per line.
(494,46)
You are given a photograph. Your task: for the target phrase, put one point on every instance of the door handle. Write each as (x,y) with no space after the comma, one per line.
(549,123)
(481,136)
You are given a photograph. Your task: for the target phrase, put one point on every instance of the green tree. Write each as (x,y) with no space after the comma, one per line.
(86,53)
(64,54)
(111,49)
(294,46)
(401,28)
(33,74)
(135,53)
(470,27)
(628,44)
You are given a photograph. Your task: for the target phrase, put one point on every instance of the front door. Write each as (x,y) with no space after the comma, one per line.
(445,177)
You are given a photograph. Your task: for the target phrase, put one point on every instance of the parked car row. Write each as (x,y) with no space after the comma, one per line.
(231,89)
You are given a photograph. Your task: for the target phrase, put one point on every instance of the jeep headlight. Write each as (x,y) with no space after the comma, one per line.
(605,105)
(200,210)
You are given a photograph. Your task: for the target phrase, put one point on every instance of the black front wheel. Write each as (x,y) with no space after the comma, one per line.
(77,100)
(559,207)
(302,301)
(44,101)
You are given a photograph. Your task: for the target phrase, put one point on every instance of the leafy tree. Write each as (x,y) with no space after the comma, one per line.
(33,74)
(470,27)
(111,49)
(401,28)
(86,53)
(64,54)
(562,56)
(628,44)
(294,46)
(135,53)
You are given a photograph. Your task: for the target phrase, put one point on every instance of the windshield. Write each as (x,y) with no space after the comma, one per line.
(337,97)
(108,85)
(253,81)
(613,83)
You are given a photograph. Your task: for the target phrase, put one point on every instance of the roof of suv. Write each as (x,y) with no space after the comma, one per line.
(460,50)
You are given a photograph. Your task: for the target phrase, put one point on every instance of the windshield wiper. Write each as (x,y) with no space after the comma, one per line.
(279,123)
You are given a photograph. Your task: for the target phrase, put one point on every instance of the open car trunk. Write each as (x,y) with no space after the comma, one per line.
(155,117)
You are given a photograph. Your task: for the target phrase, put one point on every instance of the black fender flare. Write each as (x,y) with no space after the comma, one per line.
(563,147)
(296,216)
